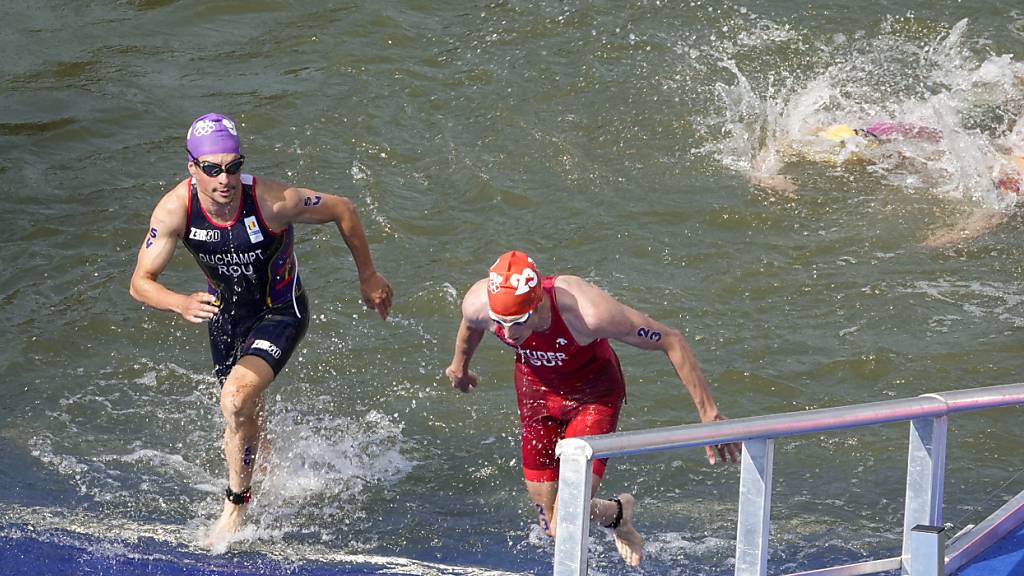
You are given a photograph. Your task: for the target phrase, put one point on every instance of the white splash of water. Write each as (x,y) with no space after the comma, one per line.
(317,457)
(759,125)
(319,471)
(979,300)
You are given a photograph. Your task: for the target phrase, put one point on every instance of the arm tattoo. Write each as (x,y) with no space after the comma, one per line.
(652,335)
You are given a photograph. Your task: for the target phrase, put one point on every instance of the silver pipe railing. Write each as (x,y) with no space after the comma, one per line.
(925,470)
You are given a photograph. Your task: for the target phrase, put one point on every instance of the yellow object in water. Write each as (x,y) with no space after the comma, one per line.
(838,132)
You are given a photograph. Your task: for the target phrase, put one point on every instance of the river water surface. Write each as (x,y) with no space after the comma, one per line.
(611,140)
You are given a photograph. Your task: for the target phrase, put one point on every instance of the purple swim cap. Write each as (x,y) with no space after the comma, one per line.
(212,134)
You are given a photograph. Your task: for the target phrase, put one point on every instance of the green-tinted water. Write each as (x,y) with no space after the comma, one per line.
(598,136)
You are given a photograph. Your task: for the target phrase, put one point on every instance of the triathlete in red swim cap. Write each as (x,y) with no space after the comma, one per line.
(567,377)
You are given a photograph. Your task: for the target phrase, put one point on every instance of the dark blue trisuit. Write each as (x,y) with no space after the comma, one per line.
(254,274)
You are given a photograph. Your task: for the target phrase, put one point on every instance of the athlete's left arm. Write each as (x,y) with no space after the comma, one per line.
(303,206)
(608,318)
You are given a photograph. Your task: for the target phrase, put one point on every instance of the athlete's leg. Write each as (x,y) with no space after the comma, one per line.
(608,513)
(265,445)
(545,420)
(240,400)
(544,496)
(271,342)
(979,222)
(601,417)
(540,433)
(240,405)
(605,513)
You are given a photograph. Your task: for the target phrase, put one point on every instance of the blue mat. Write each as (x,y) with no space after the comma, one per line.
(25,551)
(1004,558)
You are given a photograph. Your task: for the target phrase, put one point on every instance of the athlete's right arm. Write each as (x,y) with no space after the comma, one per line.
(166,226)
(471,332)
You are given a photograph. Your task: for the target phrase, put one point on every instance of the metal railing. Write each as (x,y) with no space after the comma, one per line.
(927,415)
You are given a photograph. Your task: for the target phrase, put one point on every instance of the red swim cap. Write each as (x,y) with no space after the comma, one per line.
(513,286)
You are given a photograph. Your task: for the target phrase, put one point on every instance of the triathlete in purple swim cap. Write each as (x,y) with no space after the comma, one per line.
(241,236)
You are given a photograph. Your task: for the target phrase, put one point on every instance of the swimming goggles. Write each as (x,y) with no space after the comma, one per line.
(213,169)
(510,322)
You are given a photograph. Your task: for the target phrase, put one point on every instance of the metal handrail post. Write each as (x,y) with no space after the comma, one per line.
(754,516)
(926,465)
(928,550)
(572,530)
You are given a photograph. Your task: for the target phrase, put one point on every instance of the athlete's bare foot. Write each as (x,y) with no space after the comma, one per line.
(775,183)
(628,541)
(978,223)
(231,520)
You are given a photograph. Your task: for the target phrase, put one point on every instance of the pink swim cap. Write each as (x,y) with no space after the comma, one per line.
(887,129)
(212,134)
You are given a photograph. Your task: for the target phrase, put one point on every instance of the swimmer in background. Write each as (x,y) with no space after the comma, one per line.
(841,143)
(832,144)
